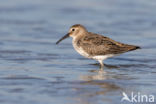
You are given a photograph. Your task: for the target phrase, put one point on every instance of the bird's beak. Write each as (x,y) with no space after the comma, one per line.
(64,37)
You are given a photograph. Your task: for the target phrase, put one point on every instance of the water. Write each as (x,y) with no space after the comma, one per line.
(33,70)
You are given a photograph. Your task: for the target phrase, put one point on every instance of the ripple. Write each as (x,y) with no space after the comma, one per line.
(21,77)
(14,51)
(8,9)
(21,22)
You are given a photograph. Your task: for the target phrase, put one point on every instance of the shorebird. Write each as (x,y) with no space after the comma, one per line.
(95,46)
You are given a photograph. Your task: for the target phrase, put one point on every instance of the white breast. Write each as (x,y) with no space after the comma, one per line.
(80,50)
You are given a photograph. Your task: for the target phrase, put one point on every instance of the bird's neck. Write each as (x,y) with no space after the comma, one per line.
(80,36)
(77,38)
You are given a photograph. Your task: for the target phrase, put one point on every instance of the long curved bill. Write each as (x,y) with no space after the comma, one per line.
(64,37)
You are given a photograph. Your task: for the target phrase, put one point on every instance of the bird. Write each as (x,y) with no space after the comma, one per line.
(95,46)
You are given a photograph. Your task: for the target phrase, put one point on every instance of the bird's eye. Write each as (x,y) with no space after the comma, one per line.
(73,29)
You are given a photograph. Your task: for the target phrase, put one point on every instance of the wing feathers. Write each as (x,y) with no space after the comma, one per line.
(95,44)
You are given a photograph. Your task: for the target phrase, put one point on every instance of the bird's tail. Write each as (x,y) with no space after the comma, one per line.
(132,47)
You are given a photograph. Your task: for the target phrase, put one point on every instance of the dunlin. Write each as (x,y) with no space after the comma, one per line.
(95,46)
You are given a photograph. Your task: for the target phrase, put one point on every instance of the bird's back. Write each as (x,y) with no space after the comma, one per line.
(95,44)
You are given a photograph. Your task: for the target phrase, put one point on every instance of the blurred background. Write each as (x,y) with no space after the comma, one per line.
(34,70)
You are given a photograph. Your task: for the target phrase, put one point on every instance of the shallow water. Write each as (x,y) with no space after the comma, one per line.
(33,70)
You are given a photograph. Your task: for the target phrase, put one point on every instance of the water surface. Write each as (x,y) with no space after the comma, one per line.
(34,70)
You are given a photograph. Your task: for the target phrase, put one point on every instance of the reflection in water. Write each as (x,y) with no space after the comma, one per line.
(100,75)
(98,84)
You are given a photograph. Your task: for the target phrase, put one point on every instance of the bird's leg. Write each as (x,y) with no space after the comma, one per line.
(101,64)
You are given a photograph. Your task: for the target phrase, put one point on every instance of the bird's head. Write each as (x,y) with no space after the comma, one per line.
(74,31)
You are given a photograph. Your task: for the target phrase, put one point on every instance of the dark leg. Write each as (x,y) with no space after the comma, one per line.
(101,64)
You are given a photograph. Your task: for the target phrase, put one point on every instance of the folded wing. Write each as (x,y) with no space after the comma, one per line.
(95,44)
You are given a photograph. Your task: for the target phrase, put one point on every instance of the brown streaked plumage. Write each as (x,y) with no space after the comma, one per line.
(95,46)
